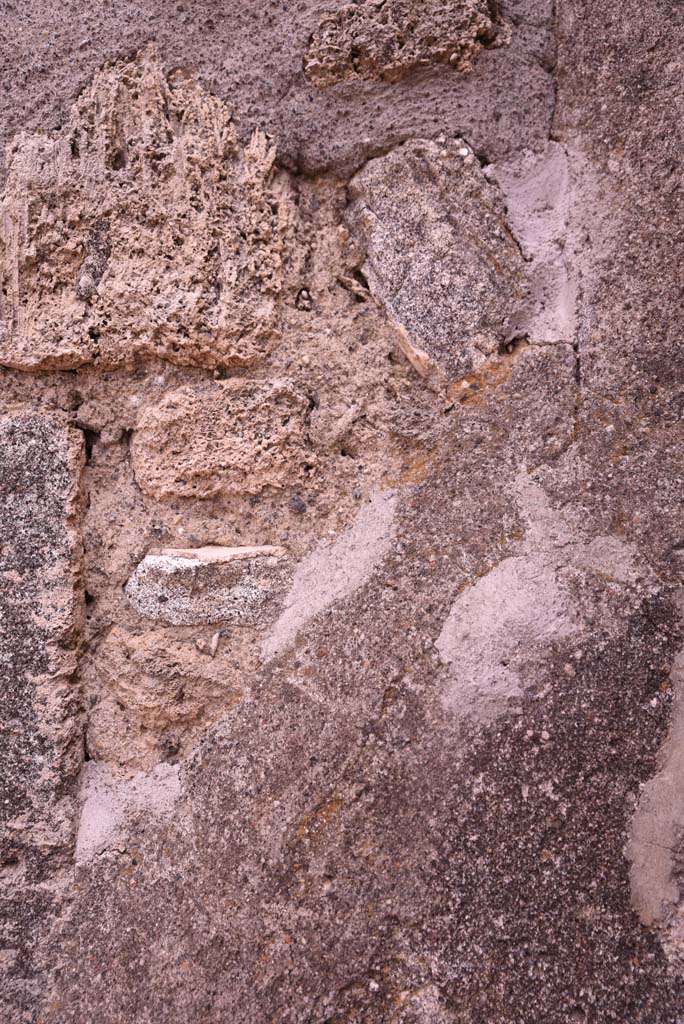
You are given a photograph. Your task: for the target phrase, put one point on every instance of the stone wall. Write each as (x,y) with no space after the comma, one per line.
(341,530)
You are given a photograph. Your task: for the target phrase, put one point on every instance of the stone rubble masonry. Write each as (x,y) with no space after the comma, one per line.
(439,254)
(242,586)
(142,228)
(221,437)
(387,41)
(386,773)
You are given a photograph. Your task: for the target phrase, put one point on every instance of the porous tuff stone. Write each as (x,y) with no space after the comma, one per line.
(438,251)
(387,41)
(41,750)
(221,437)
(244,586)
(141,228)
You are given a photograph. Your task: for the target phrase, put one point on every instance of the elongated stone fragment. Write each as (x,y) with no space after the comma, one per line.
(243,586)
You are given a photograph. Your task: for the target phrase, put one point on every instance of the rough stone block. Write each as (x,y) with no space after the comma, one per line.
(142,228)
(41,605)
(153,693)
(221,437)
(244,586)
(439,253)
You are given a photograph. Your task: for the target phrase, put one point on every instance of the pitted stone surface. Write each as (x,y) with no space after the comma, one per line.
(237,587)
(223,437)
(371,40)
(438,252)
(140,229)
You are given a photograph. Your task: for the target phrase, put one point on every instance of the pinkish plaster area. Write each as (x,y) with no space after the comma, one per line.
(502,624)
(334,571)
(110,806)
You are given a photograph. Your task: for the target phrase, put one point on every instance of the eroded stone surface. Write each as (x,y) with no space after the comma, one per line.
(253,57)
(142,228)
(154,694)
(371,40)
(439,253)
(221,437)
(244,588)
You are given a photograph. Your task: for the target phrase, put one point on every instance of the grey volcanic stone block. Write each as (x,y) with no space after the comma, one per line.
(40,724)
(188,587)
(439,254)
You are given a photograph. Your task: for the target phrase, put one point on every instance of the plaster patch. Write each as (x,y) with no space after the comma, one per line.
(493,624)
(521,606)
(108,805)
(658,823)
(538,195)
(334,571)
